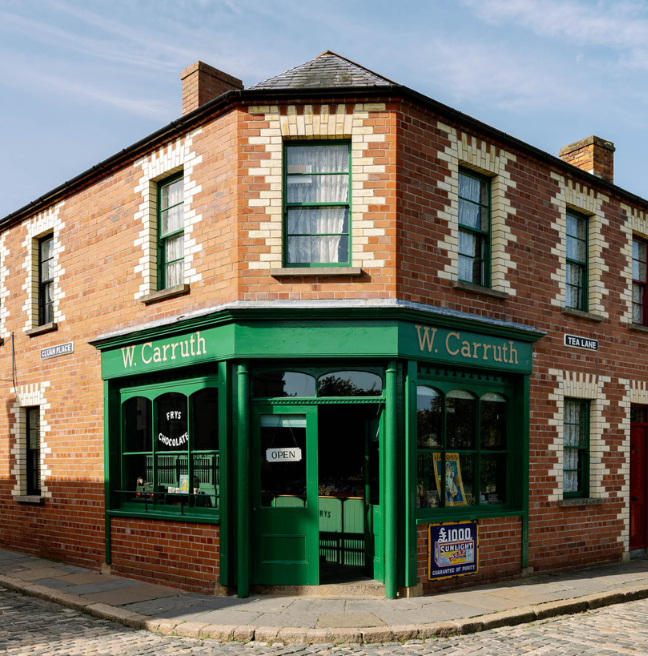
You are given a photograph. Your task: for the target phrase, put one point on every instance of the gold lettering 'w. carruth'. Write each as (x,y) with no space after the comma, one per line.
(127,355)
(427,338)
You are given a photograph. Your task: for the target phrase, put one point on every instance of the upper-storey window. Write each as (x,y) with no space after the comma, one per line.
(317,204)
(171,232)
(45,280)
(639,282)
(577,278)
(474,228)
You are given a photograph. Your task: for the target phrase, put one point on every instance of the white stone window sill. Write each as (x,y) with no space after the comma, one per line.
(33,499)
(297,272)
(163,294)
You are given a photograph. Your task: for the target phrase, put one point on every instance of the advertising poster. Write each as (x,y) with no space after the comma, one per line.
(454,489)
(453,549)
(184,484)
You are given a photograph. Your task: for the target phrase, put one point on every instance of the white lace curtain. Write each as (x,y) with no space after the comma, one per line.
(317,234)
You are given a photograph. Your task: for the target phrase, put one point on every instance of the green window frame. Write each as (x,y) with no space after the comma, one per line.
(157,449)
(170,227)
(32,429)
(474,228)
(46,280)
(639,281)
(577,274)
(576,448)
(317,204)
(466,431)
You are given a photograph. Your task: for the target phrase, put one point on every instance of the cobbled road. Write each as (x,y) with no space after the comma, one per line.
(31,626)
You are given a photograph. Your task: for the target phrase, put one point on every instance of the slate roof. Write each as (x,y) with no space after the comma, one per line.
(326,70)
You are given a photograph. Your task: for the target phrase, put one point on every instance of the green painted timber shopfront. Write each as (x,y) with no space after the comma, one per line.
(318,438)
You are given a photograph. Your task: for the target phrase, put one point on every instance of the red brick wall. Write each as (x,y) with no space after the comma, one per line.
(181,554)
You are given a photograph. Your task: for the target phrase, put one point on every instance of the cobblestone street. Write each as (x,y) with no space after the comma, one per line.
(32,626)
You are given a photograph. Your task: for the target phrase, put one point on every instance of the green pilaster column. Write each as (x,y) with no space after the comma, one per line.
(390,483)
(526,436)
(243,483)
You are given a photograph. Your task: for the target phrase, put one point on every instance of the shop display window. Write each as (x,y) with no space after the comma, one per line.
(463,447)
(170,460)
(295,384)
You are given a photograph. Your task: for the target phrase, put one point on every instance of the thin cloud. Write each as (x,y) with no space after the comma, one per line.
(619,26)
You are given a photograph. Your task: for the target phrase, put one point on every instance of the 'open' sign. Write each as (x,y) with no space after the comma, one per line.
(287,454)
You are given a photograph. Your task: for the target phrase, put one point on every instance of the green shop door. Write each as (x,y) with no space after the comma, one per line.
(285,536)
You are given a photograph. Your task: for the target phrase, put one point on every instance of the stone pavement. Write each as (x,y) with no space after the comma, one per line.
(32,627)
(288,620)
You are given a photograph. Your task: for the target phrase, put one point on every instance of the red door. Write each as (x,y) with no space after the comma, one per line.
(638,482)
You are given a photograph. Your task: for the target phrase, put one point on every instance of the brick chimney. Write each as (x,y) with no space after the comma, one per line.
(594,155)
(202,83)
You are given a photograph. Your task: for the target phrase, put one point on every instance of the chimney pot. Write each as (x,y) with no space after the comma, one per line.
(594,155)
(202,83)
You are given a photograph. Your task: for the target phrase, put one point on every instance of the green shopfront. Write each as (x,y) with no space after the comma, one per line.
(317,440)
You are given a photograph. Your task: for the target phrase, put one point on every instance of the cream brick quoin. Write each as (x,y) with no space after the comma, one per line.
(463,152)
(580,386)
(332,122)
(172,158)
(39,226)
(577,196)
(27,396)
(636,223)
(4,291)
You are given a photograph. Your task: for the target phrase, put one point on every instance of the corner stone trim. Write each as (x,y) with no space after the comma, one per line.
(328,122)
(26,396)
(493,162)
(174,157)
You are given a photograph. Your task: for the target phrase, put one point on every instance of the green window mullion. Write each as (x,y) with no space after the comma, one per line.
(162,238)
(316,205)
(477,483)
(444,450)
(154,415)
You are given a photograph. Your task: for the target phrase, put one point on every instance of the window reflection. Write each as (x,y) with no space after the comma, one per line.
(460,420)
(493,421)
(279,384)
(137,425)
(429,410)
(349,383)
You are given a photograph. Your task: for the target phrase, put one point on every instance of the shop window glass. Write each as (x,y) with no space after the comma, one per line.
(493,421)
(172,418)
(460,419)
(276,384)
(429,415)
(349,383)
(137,425)
(283,480)
(454,468)
(170,457)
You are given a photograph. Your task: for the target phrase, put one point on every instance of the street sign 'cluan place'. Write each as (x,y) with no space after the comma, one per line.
(55,351)
(582,342)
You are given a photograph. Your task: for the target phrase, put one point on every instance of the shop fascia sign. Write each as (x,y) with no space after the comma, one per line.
(185,348)
(459,345)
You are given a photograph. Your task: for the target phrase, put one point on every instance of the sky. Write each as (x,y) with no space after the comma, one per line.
(82,79)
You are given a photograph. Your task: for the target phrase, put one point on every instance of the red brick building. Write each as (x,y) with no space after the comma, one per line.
(279,339)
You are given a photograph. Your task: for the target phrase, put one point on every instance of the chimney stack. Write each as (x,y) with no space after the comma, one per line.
(594,155)
(202,83)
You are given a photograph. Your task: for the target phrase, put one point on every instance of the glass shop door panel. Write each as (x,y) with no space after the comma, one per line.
(285,529)
(373,512)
